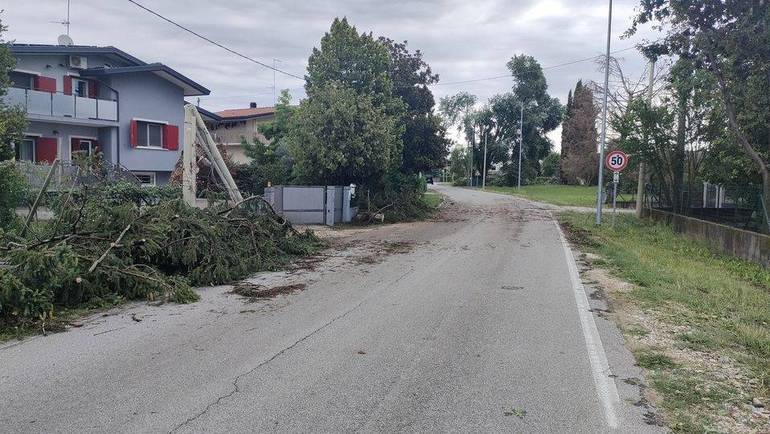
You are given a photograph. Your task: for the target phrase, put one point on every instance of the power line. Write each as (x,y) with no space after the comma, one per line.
(250,59)
(497,77)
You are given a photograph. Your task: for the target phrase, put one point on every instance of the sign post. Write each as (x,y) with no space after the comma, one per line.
(615,161)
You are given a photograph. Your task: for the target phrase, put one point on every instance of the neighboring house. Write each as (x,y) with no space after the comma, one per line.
(231,127)
(88,99)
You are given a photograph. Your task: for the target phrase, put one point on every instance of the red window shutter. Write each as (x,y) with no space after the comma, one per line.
(91,89)
(171,137)
(68,85)
(45,84)
(46,149)
(74,145)
(133,134)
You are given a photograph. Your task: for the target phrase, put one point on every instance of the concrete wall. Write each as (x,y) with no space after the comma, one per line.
(748,245)
(147,96)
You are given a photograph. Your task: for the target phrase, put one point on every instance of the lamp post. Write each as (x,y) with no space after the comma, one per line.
(603,142)
(521,136)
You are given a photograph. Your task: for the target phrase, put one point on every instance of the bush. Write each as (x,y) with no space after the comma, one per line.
(13,189)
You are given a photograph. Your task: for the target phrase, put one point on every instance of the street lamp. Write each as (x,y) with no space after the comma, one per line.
(604,122)
(521,135)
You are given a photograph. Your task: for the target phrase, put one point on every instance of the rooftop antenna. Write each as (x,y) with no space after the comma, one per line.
(65,39)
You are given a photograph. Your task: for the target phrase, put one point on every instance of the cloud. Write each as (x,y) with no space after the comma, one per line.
(461,40)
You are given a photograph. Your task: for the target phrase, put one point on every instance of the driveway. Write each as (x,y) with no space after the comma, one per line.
(474,321)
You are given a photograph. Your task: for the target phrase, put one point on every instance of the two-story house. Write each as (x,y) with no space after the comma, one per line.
(231,127)
(100,99)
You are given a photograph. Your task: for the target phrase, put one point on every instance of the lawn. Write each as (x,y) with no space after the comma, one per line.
(707,351)
(432,200)
(569,195)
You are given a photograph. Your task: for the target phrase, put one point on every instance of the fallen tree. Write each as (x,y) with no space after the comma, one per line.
(113,240)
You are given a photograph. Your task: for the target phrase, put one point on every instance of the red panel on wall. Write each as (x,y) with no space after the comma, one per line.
(91,89)
(67,85)
(133,134)
(171,137)
(46,149)
(45,84)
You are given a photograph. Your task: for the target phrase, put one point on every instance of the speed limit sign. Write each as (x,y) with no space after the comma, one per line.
(616,161)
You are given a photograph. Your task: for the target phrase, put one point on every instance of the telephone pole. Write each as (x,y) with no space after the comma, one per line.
(521,142)
(484,169)
(642,176)
(602,145)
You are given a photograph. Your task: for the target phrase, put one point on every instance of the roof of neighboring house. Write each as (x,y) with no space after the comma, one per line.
(75,49)
(191,88)
(247,113)
(207,115)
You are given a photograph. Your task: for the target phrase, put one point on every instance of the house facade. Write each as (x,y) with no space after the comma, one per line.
(232,127)
(84,99)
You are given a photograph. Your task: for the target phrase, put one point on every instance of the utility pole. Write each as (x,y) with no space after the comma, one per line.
(484,169)
(603,143)
(642,175)
(473,138)
(521,141)
(275,100)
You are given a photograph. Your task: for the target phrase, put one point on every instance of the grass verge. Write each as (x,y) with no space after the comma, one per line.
(696,320)
(432,200)
(564,195)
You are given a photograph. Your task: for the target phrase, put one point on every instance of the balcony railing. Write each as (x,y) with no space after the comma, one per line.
(59,104)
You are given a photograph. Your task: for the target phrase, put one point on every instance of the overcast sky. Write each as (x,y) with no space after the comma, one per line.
(461,40)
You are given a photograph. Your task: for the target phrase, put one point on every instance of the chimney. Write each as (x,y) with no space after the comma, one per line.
(253,105)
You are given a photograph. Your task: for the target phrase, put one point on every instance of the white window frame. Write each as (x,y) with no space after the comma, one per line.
(31,138)
(90,139)
(150,121)
(152,175)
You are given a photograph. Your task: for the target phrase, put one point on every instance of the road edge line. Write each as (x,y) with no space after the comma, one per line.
(605,385)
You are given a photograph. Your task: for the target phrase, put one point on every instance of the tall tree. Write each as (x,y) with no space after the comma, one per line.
(347,130)
(542,114)
(579,138)
(424,137)
(12,124)
(12,118)
(730,39)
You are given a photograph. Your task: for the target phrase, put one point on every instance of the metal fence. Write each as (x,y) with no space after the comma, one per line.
(733,205)
(68,175)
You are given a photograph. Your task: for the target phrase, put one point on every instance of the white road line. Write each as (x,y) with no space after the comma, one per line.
(605,385)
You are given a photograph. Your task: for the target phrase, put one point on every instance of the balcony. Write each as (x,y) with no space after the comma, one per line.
(60,105)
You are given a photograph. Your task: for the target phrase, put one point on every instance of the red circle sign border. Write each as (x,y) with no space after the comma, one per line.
(616,152)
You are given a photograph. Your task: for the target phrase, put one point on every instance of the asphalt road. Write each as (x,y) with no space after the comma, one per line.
(473,322)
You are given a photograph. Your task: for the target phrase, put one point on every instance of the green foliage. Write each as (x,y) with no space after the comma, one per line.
(579,138)
(111,241)
(12,119)
(424,138)
(459,165)
(12,192)
(729,40)
(341,137)
(550,165)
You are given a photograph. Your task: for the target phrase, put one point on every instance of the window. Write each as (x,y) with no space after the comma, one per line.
(149,134)
(80,87)
(21,80)
(83,145)
(26,149)
(146,178)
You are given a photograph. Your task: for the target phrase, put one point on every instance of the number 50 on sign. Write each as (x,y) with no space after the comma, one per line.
(616,161)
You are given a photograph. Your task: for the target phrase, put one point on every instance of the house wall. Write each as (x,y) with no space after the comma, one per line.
(55,66)
(63,132)
(233,136)
(147,96)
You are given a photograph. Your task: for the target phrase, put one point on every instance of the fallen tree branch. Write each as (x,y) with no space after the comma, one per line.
(106,252)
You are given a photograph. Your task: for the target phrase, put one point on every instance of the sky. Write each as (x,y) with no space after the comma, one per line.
(461,40)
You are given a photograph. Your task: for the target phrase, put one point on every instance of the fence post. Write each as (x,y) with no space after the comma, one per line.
(764,210)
